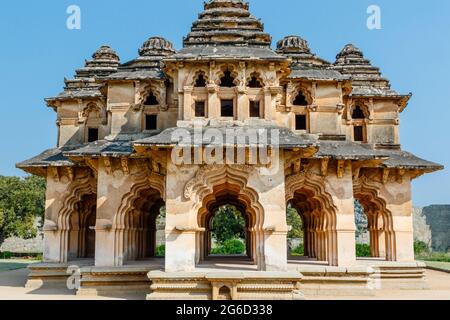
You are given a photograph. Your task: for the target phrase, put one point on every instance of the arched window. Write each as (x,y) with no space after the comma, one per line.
(300,100)
(254,82)
(227,80)
(151,100)
(94,119)
(359,127)
(200,82)
(358,113)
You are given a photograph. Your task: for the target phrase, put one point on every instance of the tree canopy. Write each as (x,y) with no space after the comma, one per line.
(228,223)
(21,201)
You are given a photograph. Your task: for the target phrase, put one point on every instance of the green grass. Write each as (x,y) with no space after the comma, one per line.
(434,256)
(438,265)
(14,264)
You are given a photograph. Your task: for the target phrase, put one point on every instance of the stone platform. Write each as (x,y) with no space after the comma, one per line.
(234,279)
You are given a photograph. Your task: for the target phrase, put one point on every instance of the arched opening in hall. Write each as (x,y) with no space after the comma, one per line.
(81,233)
(296,234)
(374,236)
(140,227)
(317,225)
(231,228)
(228,232)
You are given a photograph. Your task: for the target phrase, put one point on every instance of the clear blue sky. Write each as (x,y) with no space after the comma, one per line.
(413,50)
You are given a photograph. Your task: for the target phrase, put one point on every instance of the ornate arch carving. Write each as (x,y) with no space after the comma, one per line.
(307,93)
(363,104)
(311,182)
(93,107)
(234,179)
(124,215)
(219,74)
(195,73)
(158,89)
(257,75)
(78,189)
(207,175)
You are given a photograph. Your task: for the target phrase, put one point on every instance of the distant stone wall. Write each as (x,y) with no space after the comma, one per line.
(18,245)
(432,226)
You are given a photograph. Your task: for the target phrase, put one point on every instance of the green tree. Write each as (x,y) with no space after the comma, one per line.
(21,201)
(228,223)
(295,221)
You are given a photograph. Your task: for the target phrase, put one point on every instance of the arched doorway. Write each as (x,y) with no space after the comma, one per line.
(81,233)
(379,221)
(137,225)
(229,194)
(306,193)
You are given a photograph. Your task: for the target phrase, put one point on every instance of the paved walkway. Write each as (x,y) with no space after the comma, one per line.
(12,287)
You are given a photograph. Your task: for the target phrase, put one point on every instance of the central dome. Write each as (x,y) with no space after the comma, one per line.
(227,22)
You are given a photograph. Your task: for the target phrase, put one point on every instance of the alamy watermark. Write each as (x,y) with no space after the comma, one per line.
(374,19)
(74,279)
(73,21)
(227,145)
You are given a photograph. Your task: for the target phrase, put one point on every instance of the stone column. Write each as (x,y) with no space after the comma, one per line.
(180,221)
(268,114)
(271,190)
(243,104)
(213,102)
(399,203)
(187,102)
(342,242)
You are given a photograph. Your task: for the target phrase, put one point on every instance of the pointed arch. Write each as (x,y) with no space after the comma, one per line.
(77,190)
(149,190)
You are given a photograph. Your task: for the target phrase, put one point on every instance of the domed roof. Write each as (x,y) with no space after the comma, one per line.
(104,62)
(293,44)
(350,51)
(366,79)
(298,50)
(149,62)
(157,46)
(106,53)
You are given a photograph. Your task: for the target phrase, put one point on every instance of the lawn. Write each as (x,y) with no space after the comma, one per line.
(14,264)
(438,265)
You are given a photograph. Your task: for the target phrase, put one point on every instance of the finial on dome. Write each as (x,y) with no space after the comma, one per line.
(156,46)
(293,44)
(350,50)
(105,53)
(226,3)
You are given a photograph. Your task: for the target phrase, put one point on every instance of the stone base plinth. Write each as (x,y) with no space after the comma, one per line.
(48,275)
(335,281)
(225,286)
(107,280)
(405,276)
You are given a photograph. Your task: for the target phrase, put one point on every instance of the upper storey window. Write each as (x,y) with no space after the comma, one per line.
(93,134)
(151,100)
(254,82)
(151,122)
(227,108)
(200,82)
(358,113)
(300,100)
(359,125)
(227,80)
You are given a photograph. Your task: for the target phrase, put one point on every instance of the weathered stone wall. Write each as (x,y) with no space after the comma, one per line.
(18,245)
(432,226)
(438,218)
